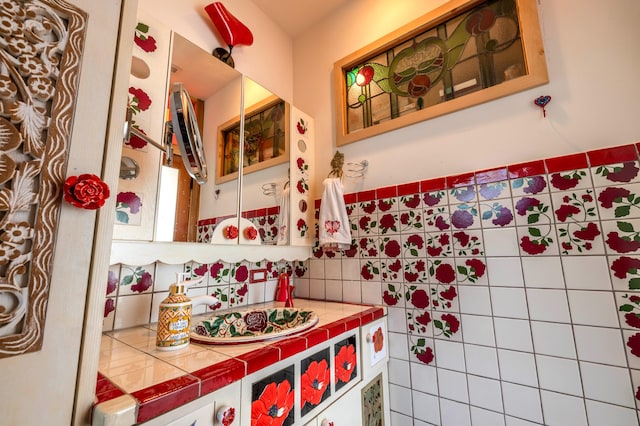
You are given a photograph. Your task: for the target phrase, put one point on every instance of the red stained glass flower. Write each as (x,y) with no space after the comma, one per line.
(365,75)
(314,382)
(273,406)
(85,191)
(345,363)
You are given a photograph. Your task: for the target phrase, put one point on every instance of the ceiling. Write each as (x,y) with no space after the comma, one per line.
(295,16)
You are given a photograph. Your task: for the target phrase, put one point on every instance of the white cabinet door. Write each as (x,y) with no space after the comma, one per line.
(346,411)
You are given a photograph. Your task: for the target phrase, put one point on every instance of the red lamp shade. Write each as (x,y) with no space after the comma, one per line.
(233,32)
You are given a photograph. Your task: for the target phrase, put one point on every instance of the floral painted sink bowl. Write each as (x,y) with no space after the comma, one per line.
(252,325)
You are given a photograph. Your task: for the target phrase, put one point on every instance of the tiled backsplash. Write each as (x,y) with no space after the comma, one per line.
(513,293)
(134,292)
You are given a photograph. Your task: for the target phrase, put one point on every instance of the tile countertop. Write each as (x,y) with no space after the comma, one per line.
(154,382)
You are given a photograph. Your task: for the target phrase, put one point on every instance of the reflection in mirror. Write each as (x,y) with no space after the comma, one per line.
(215,94)
(267,209)
(129,168)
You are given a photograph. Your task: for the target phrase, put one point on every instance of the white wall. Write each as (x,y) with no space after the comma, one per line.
(593,68)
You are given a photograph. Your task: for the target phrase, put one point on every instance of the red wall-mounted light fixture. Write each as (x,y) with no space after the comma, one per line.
(232,31)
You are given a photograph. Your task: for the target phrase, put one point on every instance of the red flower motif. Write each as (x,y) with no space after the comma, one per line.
(143,283)
(424,319)
(345,363)
(256,320)
(441,224)
(419,85)
(365,273)
(416,240)
(624,174)
(86,191)
(621,245)
(215,268)
(148,44)
(300,163)
(396,266)
(109,306)
(588,233)
(434,251)
(129,200)
(378,340)
(413,202)
(136,142)
(273,406)
(231,232)
(426,356)
(387,221)
(477,266)
(565,211)
(632,319)
(384,205)
(480,21)
(389,299)
(461,219)
(532,247)
(623,265)
(243,290)
(449,294)
(112,282)
(503,217)
(392,249)
(635,299)
(141,98)
(536,184)
(462,237)
(445,273)
(314,382)
(431,200)
(452,322)
(611,195)
(634,344)
(364,76)
(525,204)
(563,182)
(369,208)
(420,299)
(250,233)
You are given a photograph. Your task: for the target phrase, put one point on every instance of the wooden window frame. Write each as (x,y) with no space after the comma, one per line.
(534,57)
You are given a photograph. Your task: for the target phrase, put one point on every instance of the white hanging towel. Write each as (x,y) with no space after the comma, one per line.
(283,218)
(334,228)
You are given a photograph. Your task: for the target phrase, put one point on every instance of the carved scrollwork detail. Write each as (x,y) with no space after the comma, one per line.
(40,51)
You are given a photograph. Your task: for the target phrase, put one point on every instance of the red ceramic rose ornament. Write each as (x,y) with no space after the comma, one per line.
(231,232)
(85,191)
(250,233)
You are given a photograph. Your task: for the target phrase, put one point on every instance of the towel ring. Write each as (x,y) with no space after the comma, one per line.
(356,170)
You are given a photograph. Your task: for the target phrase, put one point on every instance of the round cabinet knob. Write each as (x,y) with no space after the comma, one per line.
(369,338)
(326,422)
(226,415)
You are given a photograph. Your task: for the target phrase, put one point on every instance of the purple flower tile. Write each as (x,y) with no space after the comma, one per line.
(529,186)
(463,194)
(437,219)
(493,190)
(464,216)
(496,214)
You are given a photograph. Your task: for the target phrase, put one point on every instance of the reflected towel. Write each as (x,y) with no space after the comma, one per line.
(334,228)
(283,218)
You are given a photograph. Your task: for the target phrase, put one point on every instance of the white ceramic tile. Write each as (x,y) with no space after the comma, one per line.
(271,285)
(485,393)
(317,289)
(400,399)
(450,354)
(559,374)
(548,304)
(351,292)
(131,276)
(474,300)
(477,329)
(316,268)
(397,320)
(501,242)
(599,344)
(586,272)
(453,385)
(513,334)
(522,401)
(420,423)
(563,410)
(454,414)
(513,421)
(302,288)
(517,367)
(509,302)
(482,360)
(607,384)
(350,269)
(600,413)
(399,372)
(333,290)
(543,272)
(133,310)
(398,419)
(505,272)
(593,308)
(553,339)
(424,378)
(398,346)
(482,417)
(333,269)
(371,293)
(426,407)
(166,275)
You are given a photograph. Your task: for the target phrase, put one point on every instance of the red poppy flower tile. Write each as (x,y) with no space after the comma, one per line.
(345,362)
(315,381)
(622,236)
(415,271)
(367,208)
(629,310)
(413,245)
(273,399)
(392,295)
(471,271)
(533,210)
(391,270)
(570,180)
(370,270)
(612,174)
(410,202)
(389,204)
(444,298)
(368,224)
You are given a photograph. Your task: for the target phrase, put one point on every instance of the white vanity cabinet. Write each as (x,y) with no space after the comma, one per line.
(204,411)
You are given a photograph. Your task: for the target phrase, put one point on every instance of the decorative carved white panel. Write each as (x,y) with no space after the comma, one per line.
(41,44)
